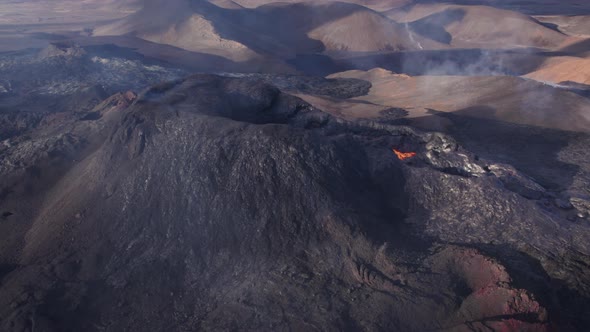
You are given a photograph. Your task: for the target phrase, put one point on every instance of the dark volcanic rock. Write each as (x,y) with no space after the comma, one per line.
(334,87)
(393,113)
(213,203)
(63,70)
(61,50)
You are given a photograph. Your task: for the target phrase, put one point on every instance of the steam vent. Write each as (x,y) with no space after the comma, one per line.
(249,165)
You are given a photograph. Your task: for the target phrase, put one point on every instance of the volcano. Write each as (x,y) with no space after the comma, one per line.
(234,203)
(247,165)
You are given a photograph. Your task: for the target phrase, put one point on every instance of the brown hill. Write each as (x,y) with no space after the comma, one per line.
(563,69)
(378,5)
(277,28)
(365,30)
(477,26)
(504,98)
(536,7)
(578,25)
(177,24)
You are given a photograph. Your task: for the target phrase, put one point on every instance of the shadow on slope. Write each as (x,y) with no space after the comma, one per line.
(540,7)
(581,49)
(468,62)
(433,26)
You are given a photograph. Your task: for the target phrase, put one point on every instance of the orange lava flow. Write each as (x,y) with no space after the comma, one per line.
(404,155)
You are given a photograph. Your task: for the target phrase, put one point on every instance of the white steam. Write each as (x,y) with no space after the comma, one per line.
(411,34)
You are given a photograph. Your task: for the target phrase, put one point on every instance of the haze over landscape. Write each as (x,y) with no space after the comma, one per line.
(357,165)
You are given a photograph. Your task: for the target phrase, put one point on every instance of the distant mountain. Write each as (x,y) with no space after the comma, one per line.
(504,98)
(226,29)
(477,26)
(378,5)
(536,7)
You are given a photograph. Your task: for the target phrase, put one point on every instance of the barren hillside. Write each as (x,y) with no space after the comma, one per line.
(477,26)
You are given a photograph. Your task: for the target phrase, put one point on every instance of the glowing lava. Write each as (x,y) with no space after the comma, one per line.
(404,155)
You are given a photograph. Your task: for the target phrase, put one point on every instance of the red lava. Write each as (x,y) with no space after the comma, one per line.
(404,155)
